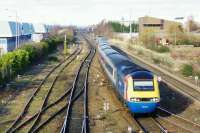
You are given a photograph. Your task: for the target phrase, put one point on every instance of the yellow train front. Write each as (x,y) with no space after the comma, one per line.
(137,87)
(142,92)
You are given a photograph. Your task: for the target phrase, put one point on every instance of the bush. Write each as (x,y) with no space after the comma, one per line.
(32,51)
(156,61)
(159,49)
(15,62)
(53,41)
(184,42)
(53,58)
(187,70)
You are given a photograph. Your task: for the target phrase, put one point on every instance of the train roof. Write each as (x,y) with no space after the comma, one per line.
(103,43)
(121,62)
(104,46)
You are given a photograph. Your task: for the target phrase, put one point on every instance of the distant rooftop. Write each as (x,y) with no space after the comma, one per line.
(150,17)
(39,28)
(7,29)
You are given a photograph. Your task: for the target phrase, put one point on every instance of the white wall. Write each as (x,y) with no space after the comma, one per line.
(3,46)
(127,35)
(37,37)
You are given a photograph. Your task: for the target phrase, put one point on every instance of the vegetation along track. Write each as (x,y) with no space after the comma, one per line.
(76,119)
(159,122)
(42,91)
(177,121)
(181,85)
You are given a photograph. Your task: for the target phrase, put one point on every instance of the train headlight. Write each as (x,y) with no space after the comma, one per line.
(159,78)
(135,99)
(155,99)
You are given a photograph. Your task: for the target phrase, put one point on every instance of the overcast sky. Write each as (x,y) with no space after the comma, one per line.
(86,12)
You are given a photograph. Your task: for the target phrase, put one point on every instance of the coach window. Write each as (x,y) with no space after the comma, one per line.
(109,69)
(114,75)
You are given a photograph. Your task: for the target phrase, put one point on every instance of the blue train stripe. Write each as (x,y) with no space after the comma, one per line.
(142,107)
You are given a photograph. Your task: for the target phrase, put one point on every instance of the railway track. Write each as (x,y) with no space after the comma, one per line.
(45,87)
(165,124)
(76,119)
(177,121)
(171,80)
(149,124)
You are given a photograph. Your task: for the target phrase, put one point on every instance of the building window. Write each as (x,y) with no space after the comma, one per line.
(152,25)
(2,41)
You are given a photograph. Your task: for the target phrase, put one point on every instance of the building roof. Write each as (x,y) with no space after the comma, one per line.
(39,28)
(149,18)
(26,29)
(7,29)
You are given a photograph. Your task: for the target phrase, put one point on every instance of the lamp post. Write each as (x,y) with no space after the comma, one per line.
(178,19)
(122,25)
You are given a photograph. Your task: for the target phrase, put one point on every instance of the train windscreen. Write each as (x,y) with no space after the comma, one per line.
(143,85)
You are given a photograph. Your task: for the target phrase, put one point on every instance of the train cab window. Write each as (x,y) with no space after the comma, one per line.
(143,85)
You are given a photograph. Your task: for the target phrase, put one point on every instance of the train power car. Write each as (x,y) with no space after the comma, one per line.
(137,87)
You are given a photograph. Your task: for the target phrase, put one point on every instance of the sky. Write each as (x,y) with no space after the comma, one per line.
(88,12)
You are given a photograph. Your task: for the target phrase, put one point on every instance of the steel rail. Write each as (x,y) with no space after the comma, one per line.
(20,116)
(49,91)
(70,102)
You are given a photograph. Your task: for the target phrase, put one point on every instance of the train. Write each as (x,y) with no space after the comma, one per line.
(137,87)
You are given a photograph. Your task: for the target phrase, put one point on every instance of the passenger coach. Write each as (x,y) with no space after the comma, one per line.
(137,87)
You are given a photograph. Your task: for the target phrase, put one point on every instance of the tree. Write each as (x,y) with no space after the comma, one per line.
(104,28)
(175,32)
(118,27)
(192,25)
(147,37)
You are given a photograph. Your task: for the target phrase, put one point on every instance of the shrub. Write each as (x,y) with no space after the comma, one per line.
(187,70)
(184,42)
(156,61)
(15,62)
(159,49)
(32,51)
(53,58)
(140,52)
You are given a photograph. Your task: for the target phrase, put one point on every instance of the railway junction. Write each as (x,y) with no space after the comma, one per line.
(74,95)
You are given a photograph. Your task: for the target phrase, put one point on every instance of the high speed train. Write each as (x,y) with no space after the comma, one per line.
(137,87)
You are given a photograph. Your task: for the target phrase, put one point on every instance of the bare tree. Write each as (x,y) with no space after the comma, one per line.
(104,29)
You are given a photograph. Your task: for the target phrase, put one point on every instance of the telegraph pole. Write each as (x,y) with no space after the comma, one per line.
(130,25)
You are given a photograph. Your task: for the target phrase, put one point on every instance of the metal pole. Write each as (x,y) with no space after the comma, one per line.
(16,38)
(175,38)
(130,29)
(130,25)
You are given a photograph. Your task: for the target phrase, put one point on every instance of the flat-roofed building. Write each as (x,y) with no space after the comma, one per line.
(26,32)
(40,32)
(7,36)
(157,25)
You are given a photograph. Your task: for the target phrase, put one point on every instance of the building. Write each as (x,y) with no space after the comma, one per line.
(8,36)
(26,33)
(157,25)
(39,32)
(13,34)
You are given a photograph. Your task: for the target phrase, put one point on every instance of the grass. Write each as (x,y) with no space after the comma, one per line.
(187,70)
(17,103)
(159,48)
(156,61)
(162,57)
